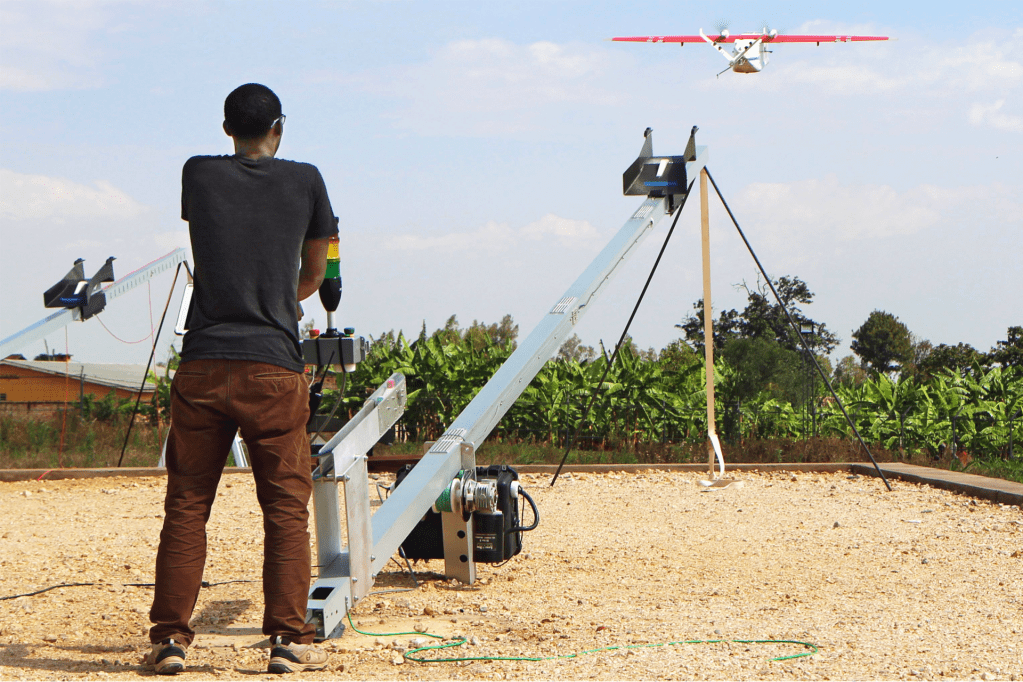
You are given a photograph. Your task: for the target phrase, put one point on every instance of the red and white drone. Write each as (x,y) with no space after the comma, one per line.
(749,51)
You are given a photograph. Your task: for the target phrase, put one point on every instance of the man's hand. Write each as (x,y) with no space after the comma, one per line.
(314,266)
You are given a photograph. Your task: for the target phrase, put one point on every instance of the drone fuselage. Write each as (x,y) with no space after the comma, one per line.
(748,56)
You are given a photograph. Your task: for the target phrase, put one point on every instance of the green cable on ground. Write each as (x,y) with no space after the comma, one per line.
(461,640)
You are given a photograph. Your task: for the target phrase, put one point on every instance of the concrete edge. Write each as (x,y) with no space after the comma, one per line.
(820,467)
(12,475)
(972,485)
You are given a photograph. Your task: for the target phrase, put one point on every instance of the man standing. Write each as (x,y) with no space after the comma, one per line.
(259,228)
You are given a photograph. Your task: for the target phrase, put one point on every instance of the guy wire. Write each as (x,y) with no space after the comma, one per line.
(145,376)
(802,340)
(625,332)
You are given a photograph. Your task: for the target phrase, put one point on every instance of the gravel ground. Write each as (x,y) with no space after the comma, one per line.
(916,584)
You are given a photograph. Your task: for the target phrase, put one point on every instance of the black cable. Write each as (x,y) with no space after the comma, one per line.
(340,396)
(54,587)
(46,589)
(625,332)
(152,354)
(401,552)
(536,514)
(802,340)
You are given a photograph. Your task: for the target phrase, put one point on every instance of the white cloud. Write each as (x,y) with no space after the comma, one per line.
(975,66)
(494,237)
(51,45)
(845,78)
(493,86)
(991,115)
(811,209)
(37,197)
(494,74)
(569,233)
(172,240)
(491,237)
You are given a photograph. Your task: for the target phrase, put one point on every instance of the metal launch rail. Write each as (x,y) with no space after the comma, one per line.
(346,573)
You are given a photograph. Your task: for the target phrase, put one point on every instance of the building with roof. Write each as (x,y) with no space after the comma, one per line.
(37,385)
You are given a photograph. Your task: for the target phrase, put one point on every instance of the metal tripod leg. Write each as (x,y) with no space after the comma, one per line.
(237,449)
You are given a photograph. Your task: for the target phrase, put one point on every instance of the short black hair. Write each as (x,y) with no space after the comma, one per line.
(250,110)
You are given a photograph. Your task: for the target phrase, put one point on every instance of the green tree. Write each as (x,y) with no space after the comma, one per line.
(959,358)
(883,343)
(479,334)
(760,365)
(678,356)
(725,327)
(764,318)
(921,349)
(449,333)
(1009,353)
(849,372)
(573,349)
(648,355)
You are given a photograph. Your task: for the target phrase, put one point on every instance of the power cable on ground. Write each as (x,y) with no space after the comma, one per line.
(461,641)
(54,587)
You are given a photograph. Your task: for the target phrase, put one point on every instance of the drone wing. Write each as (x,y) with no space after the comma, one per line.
(660,39)
(817,39)
(766,37)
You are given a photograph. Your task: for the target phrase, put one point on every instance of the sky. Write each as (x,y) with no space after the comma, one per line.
(473,152)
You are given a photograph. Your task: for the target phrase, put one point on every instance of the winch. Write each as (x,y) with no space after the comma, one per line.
(490,496)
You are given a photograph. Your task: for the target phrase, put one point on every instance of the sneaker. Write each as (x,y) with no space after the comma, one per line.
(167,657)
(288,657)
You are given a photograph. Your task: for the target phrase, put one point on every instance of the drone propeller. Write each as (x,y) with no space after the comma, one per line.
(722,28)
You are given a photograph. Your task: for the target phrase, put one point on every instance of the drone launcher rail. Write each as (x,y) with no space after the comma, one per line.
(347,573)
(81,297)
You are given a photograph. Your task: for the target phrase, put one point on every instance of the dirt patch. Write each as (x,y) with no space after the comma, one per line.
(918,583)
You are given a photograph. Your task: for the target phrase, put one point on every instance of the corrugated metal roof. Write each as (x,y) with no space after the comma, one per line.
(118,376)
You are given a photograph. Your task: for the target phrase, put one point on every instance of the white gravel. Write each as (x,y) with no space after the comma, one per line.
(917,584)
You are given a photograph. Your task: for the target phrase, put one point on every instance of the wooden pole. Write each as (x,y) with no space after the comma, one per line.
(708,316)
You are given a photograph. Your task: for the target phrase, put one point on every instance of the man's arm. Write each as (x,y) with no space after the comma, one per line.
(314,266)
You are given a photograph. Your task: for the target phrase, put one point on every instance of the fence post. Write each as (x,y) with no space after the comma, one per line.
(664,424)
(1012,432)
(955,438)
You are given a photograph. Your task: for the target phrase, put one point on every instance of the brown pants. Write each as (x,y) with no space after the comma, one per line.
(210,401)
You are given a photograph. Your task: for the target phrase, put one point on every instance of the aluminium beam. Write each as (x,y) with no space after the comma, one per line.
(346,573)
(406,505)
(62,318)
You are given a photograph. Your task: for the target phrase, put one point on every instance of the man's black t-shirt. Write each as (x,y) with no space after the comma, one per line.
(247,219)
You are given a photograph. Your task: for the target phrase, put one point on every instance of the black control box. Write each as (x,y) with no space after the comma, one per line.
(334,350)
